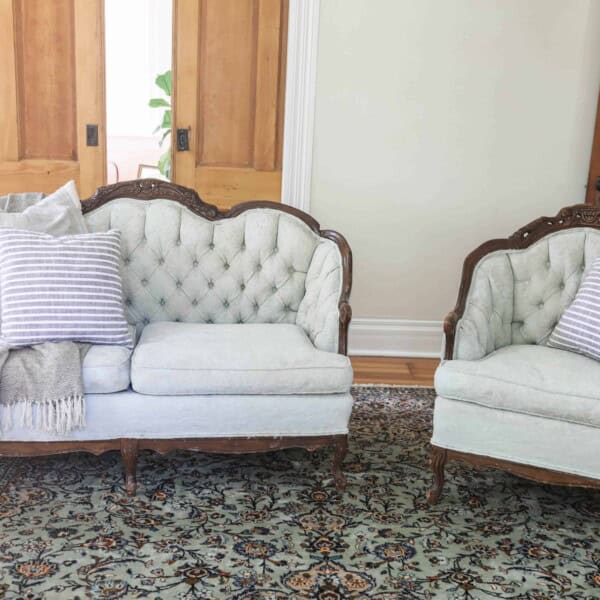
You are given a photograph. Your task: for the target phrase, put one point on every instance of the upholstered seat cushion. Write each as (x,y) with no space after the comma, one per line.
(106,369)
(536,380)
(272,358)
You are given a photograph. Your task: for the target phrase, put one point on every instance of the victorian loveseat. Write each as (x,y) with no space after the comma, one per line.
(241,322)
(504,398)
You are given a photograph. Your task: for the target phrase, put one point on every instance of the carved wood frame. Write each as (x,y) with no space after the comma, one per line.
(151,189)
(570,217)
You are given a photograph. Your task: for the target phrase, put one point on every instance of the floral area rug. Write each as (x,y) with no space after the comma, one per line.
(272,526)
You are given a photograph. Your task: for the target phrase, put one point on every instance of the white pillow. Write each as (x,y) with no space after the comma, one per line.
(57,214)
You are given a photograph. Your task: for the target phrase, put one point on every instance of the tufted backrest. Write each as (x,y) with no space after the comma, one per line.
(518,296)
(251,268)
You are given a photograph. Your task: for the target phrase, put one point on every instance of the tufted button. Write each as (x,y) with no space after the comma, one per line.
(547,264)
(562,286)
(177,320)
(211,246)
(144,281)
(128,301)
(209,321)
(540,304)
(291,270)
(240,320)
(161,261)
(259,267)
(255,306)
(274,289)
(275,250)
(145,321)
(243,287)
(126,261)
(226,304)
(162,301)
(178,284)
(243,246)
(195,263)
(226,266)
(286,308)
(211,284)
(178,243)
(194,302)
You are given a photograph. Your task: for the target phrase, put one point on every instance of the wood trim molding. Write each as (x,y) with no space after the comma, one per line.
(570,217)
(301,81)
(592,195)
(152,189)
(129,448)
(440,456)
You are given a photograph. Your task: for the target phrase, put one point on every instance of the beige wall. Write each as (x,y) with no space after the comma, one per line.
(441,124)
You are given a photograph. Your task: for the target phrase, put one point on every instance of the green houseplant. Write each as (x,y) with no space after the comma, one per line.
(164,82)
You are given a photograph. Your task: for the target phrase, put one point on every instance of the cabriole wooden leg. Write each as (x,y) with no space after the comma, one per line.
(438,459)
(340,449)
(129,454)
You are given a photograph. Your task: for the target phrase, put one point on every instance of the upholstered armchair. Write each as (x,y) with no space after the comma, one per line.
(504,398)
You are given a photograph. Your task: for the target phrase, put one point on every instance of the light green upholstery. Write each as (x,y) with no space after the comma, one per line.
(506,394)
(517,296)
(263,266)
(517,437)
(253,358)
(529,379)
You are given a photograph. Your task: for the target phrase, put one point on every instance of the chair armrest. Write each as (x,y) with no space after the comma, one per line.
(324,312)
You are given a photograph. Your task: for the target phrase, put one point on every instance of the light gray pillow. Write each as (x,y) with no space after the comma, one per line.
(56,214)
(61,288)
(15,203)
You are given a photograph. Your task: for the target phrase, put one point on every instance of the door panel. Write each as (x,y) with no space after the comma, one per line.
(229,86)
(51,87)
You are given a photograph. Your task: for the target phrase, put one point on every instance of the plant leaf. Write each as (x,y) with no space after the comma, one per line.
(163,81)
(164,135)
(166,122)
(155,102)
(164,163)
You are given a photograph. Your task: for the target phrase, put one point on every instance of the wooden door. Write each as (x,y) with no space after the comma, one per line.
(229,85)
(51,88)
(593,192)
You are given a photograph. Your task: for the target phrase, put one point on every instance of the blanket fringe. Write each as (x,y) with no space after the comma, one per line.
(58,416)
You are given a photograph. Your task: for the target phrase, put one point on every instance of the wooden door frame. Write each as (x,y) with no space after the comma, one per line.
(301,76)
(300,92)
(592,195)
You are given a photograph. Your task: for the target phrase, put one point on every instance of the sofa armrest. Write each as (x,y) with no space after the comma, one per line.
(324,312)
(470,338)
(481,321)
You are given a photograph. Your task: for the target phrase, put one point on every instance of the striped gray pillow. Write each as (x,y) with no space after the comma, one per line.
(578,330)
(61,288)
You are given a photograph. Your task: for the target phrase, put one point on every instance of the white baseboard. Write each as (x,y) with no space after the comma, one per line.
(395,337)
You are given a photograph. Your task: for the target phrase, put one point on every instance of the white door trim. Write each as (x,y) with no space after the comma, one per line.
(301,79)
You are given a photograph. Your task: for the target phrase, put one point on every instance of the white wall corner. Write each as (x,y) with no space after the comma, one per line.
(301,79)
(395,337)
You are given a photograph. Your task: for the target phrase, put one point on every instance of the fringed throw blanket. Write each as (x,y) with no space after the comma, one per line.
(41,387)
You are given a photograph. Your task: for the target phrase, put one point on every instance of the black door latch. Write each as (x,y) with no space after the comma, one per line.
(91,135)
(183,140)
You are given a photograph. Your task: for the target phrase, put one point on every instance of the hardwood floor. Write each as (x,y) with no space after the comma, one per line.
(394,371)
